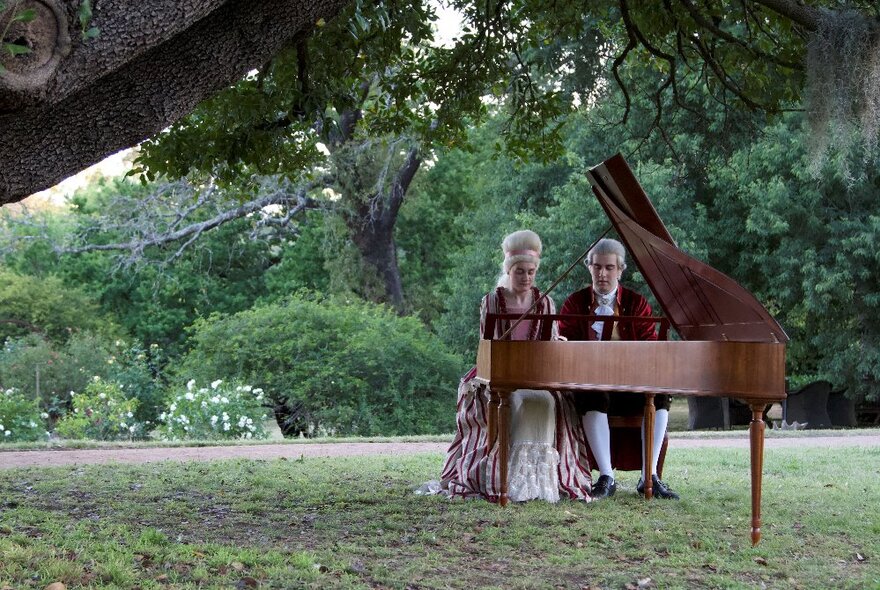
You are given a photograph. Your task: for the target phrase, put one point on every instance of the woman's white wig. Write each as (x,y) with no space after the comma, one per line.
(520,246)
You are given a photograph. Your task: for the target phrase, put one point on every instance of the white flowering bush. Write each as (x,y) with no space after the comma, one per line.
(101,412)
(20,418)
(218,411)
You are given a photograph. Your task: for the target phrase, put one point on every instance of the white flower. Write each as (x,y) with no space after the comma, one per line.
(190,384)
(224,399)
(102,396)
(96,378)
(190,396)
(214,420)
(8,433)
(225,426)
(247,388)
(250,421)
(44,415)
(172,407)
(1,427)
(248,435)
(216,384)
(131,428)
(32,424)
(204,404)
(215,399)
(162,416)
(130,415)
(123,425)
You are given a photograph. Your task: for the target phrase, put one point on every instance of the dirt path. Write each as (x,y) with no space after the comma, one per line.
(55,458)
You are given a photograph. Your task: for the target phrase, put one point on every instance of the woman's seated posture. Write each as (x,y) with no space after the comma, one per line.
(548,453)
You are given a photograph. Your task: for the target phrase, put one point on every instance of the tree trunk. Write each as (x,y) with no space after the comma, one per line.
(371,224)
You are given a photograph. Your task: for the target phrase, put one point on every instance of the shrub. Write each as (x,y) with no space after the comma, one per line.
(221,411)
(20,418)
(59,368)
(333,366)
(102,412)
(139,371)
(67,367)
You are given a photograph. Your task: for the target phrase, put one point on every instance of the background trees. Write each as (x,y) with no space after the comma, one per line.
(371,166)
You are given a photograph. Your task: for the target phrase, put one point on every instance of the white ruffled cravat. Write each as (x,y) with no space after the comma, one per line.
(606,307)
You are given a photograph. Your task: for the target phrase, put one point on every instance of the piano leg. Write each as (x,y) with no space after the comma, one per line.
(503,443)
(756,438)
(648,446)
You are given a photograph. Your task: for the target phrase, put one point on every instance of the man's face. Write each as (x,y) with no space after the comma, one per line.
(605,272)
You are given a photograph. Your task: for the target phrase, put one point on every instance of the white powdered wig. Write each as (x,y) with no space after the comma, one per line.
(520,246)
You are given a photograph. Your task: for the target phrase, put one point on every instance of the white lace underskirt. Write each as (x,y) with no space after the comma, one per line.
(533,473)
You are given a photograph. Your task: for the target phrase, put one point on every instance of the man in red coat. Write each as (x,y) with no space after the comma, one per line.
(606,262)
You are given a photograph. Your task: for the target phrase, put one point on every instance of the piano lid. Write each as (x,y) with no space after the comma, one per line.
(700,302)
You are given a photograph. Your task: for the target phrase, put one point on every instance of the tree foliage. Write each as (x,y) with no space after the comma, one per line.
(47,306)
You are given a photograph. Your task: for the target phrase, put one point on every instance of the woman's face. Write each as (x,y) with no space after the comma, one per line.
(522,276)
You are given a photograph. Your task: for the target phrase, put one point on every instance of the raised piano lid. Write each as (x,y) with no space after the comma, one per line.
(700,302)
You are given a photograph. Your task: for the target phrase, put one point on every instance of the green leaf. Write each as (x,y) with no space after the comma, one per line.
(25,16)
(92,33)
(15,49)
(85,13)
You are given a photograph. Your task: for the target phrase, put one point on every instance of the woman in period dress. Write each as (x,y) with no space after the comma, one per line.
(547,457)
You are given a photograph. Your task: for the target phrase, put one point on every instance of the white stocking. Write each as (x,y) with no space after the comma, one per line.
(599,436)
(661,421)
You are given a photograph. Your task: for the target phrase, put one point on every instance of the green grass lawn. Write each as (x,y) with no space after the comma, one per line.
(355,523)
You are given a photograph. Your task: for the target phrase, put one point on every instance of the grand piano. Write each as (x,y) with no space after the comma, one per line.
(729,344)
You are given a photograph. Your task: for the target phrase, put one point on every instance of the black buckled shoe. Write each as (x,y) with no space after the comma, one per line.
(604,487)
(658,489)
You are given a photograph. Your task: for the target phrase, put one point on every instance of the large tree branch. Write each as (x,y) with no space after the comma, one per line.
(404,177)
(296,204)
(806,16)
(702,21)
(148,90)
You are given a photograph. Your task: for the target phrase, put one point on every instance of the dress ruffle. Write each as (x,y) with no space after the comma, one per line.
(533,472)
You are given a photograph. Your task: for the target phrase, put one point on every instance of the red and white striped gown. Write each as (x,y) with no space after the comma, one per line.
(541,466)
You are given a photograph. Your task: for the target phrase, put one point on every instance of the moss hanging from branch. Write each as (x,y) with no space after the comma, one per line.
(843,88)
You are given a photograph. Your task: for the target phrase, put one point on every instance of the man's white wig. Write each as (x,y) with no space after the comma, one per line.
(608,246)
